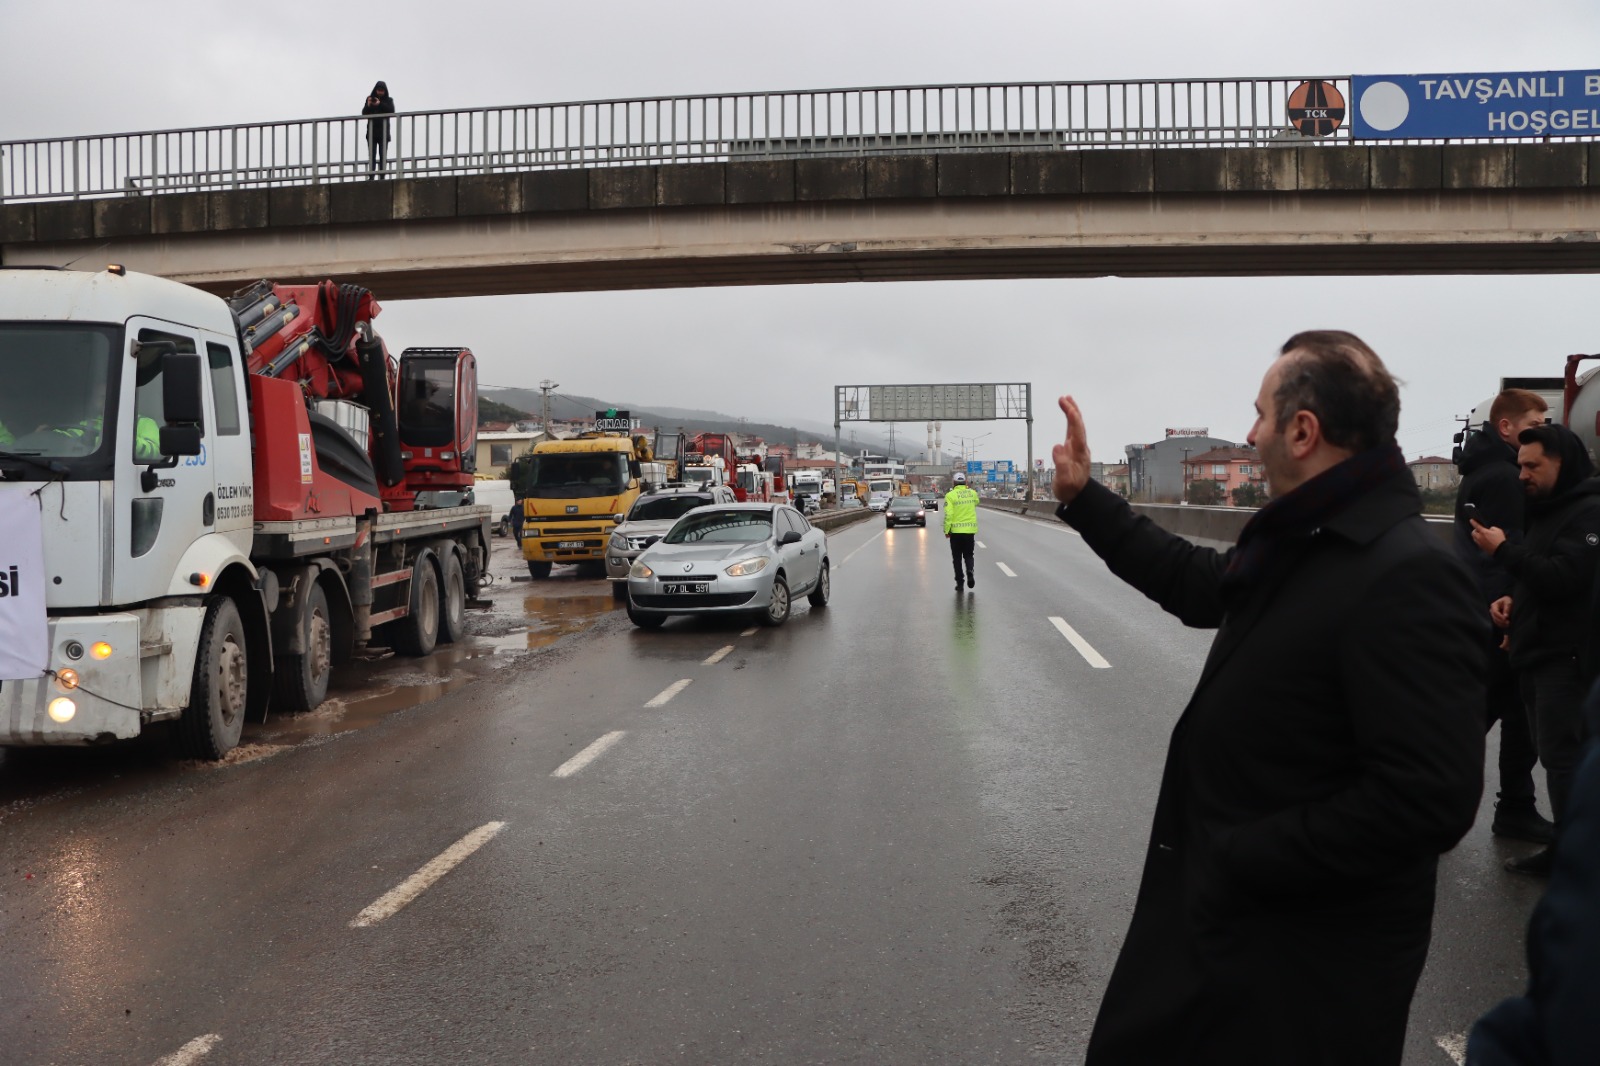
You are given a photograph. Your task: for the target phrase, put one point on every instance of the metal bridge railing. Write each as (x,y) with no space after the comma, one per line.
(686,129)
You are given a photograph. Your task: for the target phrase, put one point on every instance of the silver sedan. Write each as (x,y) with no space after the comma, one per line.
(731,559)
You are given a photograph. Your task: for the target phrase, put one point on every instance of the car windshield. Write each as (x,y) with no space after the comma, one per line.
(56,379)
(906,503)
(572,475)
(666,508)
(722,527)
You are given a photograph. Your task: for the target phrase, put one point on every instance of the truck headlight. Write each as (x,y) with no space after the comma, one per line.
(638,569)
(747,567)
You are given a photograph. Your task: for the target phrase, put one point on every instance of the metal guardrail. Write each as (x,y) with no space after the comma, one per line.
(1207,112)
(685,129)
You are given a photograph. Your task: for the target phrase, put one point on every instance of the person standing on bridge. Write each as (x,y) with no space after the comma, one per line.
(1331,751)
(961,527)
(1491,494)
(379,102)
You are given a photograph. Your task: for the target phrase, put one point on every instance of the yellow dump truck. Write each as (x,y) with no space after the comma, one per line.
(574,493)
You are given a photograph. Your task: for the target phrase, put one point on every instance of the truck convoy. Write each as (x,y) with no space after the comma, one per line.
(224,495)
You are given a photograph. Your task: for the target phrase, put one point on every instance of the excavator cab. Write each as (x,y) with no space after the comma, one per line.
(437,412)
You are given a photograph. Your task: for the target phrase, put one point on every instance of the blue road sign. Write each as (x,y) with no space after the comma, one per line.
(1528,104)
(974,466)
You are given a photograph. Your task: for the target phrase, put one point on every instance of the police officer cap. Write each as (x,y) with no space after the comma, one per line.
(959,478)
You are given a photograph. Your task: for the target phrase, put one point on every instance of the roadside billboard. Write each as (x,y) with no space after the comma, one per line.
(1560,103)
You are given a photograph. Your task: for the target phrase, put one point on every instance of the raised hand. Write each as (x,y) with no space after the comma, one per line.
(1072,456)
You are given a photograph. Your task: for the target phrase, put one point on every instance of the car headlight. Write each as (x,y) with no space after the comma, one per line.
(619,543)
(747,567)
(638,569)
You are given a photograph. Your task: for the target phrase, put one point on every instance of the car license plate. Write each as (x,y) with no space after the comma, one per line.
(569,544)
(701,586)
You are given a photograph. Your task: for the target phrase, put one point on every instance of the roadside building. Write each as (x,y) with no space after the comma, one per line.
(1435,474)
(1155,471)
(496,449)
(1231,468)
(1115,478)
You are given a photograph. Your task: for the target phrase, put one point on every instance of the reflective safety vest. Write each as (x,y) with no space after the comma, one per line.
(5,435)
(961,510)
(146,440)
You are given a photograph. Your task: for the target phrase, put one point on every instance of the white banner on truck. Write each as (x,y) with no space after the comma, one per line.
(24,633)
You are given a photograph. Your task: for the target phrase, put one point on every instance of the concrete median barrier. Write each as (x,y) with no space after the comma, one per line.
(1212,527)
(828,521)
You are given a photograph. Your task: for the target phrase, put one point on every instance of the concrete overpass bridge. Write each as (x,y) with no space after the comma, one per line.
(942,182)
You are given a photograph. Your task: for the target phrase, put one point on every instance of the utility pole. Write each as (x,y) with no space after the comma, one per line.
(547,386)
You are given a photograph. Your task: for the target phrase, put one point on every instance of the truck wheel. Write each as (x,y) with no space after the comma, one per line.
(537,570)
(418,632)
(212,723)
(300,682)
(777,611)
(819,595)
(452,600)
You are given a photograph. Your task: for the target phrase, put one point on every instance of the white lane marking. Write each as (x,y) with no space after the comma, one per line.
(1092,657)
(390,902)
(1454,1045)
(982,545)
(869,540)
(192,1052)
(666,694)
(1041,520)
(589,754)
(1006,570)
(718,655)
(750,632)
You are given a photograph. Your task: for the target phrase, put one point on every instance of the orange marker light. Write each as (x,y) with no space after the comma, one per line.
(100,650)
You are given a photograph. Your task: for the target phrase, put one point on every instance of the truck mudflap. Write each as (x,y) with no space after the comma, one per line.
(92,693)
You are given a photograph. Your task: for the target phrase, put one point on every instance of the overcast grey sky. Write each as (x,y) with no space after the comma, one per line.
(1141,355)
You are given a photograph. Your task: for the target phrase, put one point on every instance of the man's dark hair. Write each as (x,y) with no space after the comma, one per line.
(1547,437)
(1335,376)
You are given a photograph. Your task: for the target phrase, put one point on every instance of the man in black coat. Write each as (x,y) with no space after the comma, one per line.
(1550,605)
(1332,749)
(1491,494)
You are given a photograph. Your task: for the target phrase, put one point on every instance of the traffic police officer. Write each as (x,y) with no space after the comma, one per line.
(961,527)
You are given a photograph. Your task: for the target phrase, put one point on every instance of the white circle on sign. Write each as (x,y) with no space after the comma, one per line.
(1384,105)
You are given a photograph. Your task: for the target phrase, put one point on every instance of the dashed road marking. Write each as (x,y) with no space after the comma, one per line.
(1006,570)
(192,1052)
(665,695)
(750,632)
(418,883)
(718,655)
(589,754)
(1454,1045)
(982,545)
(1085,649)
(869,540)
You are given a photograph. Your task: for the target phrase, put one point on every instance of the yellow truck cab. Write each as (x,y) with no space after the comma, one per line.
(574,494)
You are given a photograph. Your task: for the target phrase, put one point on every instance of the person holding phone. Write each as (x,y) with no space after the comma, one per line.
(380,103)
(1491,494)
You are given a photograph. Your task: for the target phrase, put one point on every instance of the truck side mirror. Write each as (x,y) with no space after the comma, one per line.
(180,440)
(633,468)
(181,395)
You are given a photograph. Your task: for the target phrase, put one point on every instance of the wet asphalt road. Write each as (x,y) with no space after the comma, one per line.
(904,829)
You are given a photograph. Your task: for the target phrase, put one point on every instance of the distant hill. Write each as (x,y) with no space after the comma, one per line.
(568,406)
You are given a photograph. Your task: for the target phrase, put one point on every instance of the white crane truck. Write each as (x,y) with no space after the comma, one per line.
(205,503)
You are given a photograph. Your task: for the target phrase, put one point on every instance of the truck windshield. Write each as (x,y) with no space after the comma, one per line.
(57,379)
(570,476)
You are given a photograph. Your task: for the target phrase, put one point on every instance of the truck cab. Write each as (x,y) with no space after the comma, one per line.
(573,491)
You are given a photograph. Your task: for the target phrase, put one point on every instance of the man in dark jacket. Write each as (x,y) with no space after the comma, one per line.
(1555,1023)
(1549,606)
(1491,493)
(1332,748)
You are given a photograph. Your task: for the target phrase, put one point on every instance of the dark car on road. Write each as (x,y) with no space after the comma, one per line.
(930,501)
(905,511)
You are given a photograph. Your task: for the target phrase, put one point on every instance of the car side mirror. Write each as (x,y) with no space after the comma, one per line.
(789,538)
(618,519)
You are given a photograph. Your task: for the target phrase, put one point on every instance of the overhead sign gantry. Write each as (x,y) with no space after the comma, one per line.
(933,403)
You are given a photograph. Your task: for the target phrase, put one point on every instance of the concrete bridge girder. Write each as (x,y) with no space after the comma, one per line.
(1180,212)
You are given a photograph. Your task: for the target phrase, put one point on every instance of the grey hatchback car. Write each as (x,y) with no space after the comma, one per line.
(744,558)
